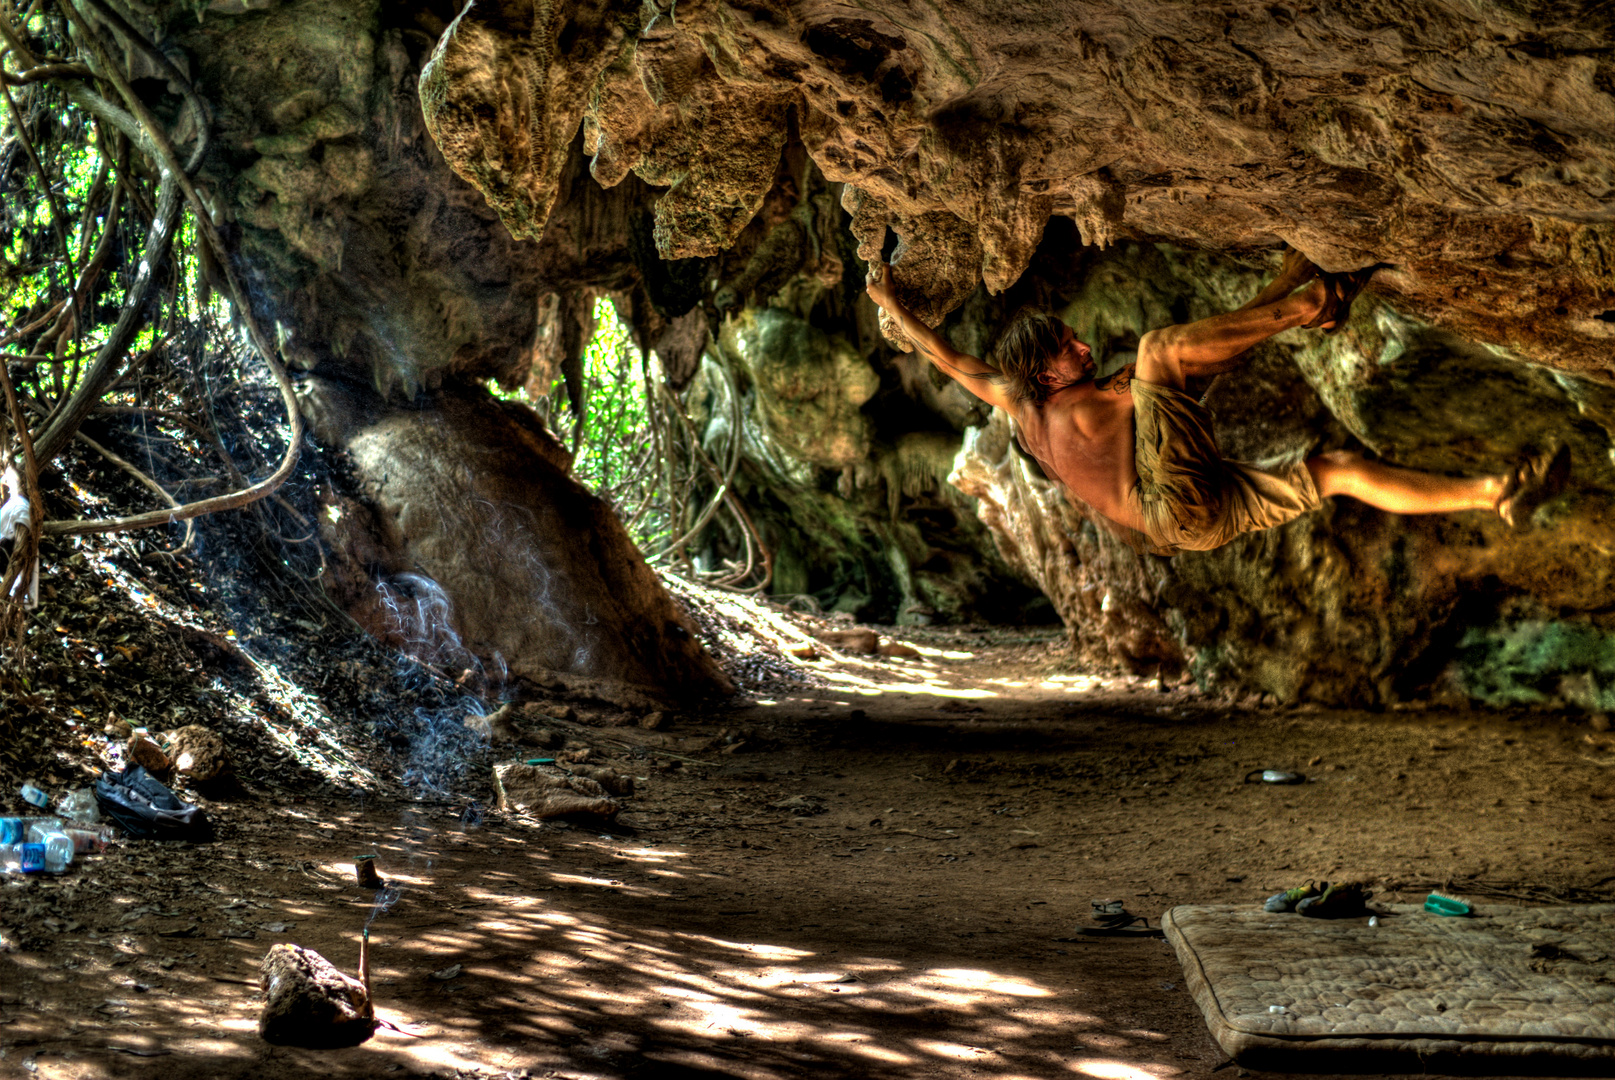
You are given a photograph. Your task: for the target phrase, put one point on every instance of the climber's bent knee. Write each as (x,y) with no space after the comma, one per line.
(1333,471)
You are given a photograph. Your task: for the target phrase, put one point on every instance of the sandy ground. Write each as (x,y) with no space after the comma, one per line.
(884,880)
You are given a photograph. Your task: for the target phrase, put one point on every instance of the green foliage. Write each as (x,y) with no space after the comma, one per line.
(615,449)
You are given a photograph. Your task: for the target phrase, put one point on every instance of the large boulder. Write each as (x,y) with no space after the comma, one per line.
(468,544)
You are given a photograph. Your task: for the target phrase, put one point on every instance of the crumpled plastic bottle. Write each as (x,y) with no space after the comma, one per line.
(80,806)
(32,795)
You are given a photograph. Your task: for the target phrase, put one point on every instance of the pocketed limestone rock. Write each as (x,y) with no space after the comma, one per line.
(198,752)
(545,792)
(308,1002)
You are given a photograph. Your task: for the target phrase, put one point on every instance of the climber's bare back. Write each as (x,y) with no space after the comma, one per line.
(1083,437)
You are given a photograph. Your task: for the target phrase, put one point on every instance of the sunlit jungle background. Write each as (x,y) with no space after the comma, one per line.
(267,294)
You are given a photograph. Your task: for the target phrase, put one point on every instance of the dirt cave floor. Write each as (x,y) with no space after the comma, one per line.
(885,881)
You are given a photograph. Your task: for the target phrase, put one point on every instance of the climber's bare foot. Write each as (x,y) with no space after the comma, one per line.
(1296,270)
(1313,299)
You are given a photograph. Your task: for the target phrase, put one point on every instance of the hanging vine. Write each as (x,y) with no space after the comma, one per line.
(100,220)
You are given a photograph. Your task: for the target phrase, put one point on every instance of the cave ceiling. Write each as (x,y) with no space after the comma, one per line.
(1468,146)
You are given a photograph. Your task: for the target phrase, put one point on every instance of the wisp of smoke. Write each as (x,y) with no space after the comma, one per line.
(386,897)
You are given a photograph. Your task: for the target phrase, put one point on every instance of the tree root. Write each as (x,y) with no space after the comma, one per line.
(146,482)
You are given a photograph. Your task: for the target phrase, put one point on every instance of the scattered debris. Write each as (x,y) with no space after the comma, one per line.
(144,807)
(802,805)
(1274,776)
(79,806)
(451,972)
(364,872)
(142,751)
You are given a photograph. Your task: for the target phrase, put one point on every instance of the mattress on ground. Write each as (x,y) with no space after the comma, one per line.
(1509,983)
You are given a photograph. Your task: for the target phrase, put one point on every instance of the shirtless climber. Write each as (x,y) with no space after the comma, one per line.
(1142,452)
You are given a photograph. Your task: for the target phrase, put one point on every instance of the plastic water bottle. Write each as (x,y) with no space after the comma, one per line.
(10,858)
(58,852)
(38,828)
(30,858)
(89,841)
(34,796)
(13,830)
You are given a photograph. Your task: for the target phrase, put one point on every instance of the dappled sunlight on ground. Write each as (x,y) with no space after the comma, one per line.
(933,686)
(567,963)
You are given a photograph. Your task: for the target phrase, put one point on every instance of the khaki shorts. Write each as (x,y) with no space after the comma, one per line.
(1191,497)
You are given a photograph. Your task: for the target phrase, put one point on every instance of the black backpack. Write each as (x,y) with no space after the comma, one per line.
(143,807)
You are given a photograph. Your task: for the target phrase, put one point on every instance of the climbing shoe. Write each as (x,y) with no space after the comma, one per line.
(1289,898)
(1531,483)
(1344,900)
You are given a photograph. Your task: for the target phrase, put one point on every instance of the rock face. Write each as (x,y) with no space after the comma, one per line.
(1471,146)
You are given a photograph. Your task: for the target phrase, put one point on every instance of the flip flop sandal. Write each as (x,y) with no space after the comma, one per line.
(1117,931)
(1289,898)
(1531,483)
(1339,292)
(1125,926)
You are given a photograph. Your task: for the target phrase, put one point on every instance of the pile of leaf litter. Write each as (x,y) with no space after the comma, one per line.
(229,633)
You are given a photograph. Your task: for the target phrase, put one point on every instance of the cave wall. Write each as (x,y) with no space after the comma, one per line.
(392,281)
(365,251)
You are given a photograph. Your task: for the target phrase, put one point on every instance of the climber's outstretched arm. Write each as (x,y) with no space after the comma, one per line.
(968,371)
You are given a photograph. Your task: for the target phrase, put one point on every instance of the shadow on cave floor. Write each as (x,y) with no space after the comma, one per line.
(880,889)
